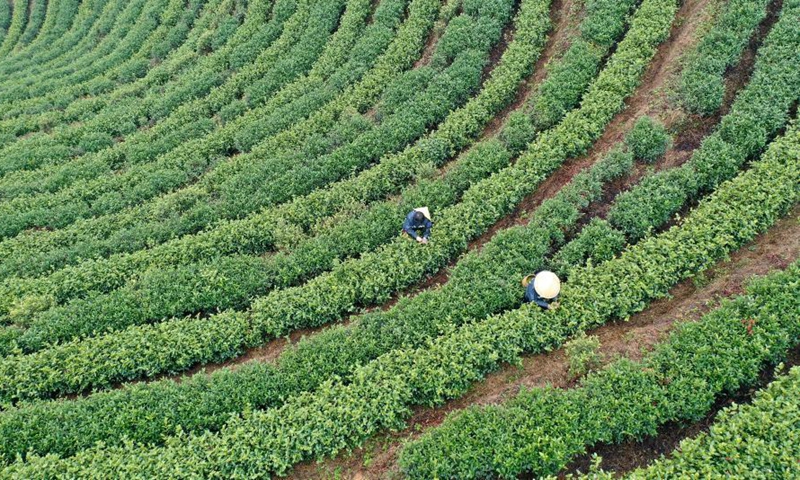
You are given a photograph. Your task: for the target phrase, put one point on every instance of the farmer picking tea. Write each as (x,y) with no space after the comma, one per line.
(418,224)
(542,289)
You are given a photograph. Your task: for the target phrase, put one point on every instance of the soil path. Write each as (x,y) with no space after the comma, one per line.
(661,71)
(631,455)
(378,458)
(775,249)
(563,23)
(649,99)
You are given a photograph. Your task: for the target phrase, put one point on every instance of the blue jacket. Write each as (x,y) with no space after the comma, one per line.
(532,297)
(410,226)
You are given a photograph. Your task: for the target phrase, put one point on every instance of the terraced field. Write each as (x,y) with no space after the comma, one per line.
(202,273)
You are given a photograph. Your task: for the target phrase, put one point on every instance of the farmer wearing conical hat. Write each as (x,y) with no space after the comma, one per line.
(418,220)
(543,290)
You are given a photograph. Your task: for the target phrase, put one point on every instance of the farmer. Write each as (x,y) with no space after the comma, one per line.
(418,220)
(543,290)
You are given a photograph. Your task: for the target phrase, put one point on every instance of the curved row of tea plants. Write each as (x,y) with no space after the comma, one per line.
(170,33)
(745,441)
(481,284)
(45,31)
(541,430)
(568,78)
(133,23)
(19,16)
(229,130)
(759,112)
(160,292)
(44,260)
(702,82)
(5,19)
(410,120)
(373,277)
(211,33)
(339,416)
(129,113)
(401,53)
(107,193)
(187,94)
(572,58)
(72,14)
(115,21)
(36,15)
(87,15)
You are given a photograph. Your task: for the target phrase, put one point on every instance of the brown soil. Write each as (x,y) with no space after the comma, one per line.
(378,458)
(630,455)
(775,249)
(272,350)
(660,71)
(737,76)
(564,20)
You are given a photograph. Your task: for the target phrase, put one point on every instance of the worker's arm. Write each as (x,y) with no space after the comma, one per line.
(408,229)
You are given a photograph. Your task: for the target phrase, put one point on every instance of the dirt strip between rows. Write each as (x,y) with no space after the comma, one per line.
(689,300)
(776,249)
(563,24)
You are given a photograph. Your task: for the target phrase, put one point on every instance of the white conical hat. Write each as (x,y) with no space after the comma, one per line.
(424,211)
(547,284)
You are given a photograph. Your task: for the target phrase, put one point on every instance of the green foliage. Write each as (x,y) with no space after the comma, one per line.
(250,235)
(131,26)
(96,142)
(235,240)
(597,242)
(481,284)
(316,301)
(678,381)
(389,414)
(759,112)
(393,380)
(23,311)
(568,78)
(110,193)
(145,225)
(104,113)
(605,21)
(5,19)
(702,84)
(582,352)
(403,88)
(55,44)
(329,126)
(518,132)
(744,441)
(648,140)
(36,16)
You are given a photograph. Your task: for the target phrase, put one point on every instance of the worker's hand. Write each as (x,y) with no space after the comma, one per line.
(420,239)
(554,305)
(424,241)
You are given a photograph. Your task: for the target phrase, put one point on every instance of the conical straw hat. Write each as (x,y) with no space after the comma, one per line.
(547,284)
(424,211)
(526,280)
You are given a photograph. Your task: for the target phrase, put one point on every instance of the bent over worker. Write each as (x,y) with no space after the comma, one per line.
(542,289)
(418,220)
